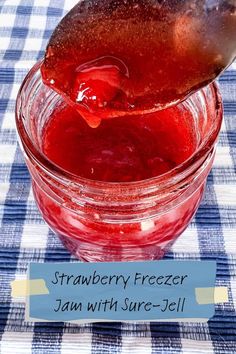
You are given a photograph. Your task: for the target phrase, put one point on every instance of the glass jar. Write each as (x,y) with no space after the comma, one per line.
(101,221)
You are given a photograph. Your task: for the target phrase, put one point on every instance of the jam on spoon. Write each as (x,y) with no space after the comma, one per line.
(112,58)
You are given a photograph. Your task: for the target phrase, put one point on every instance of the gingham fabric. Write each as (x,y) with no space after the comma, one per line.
(25,26)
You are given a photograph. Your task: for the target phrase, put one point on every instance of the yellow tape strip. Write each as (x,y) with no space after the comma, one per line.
(213,295)
(21,288)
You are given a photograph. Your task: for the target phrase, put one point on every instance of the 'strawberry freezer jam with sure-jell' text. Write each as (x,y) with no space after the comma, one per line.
(118,162)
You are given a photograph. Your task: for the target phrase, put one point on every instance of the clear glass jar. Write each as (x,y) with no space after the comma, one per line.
(101,221)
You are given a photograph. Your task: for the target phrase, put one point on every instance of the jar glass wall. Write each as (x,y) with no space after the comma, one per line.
(104,221)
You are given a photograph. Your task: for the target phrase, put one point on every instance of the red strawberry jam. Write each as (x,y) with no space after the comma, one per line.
(124,149)
(125,60)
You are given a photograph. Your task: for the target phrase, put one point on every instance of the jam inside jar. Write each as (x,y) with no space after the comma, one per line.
(133,203)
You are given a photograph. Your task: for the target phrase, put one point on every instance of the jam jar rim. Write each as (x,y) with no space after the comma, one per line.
(182,170)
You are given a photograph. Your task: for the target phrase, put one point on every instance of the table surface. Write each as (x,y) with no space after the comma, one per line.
(25,26)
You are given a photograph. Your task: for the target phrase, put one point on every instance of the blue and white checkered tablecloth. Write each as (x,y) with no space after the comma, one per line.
(25,26)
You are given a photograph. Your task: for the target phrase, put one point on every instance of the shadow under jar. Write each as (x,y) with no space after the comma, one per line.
(116,221)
